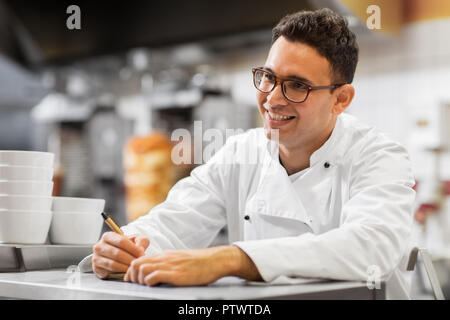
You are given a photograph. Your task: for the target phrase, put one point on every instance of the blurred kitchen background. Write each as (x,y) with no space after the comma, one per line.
(107,97)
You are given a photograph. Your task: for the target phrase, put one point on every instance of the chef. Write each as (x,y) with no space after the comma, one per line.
(330,197)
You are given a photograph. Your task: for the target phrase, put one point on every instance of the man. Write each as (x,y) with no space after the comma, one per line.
(332,200)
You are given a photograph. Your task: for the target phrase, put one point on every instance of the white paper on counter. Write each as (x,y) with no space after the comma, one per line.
(85,265)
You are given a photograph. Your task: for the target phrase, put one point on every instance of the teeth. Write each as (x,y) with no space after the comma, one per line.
(278,117)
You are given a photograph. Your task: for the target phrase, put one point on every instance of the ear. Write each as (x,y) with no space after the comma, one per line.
(344,95)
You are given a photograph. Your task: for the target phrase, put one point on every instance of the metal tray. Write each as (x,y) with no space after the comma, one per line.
(20,258)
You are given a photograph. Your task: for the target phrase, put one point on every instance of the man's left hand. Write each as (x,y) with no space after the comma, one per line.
(186,267)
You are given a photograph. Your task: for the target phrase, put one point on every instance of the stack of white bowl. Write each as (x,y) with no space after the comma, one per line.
(25,196)
(76,220)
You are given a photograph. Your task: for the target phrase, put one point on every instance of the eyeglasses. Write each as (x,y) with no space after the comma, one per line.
(293,90)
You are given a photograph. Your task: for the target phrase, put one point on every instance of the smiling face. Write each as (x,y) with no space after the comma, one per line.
(311,121)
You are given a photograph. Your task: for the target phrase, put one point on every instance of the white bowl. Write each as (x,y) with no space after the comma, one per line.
(29,188)
(26,158)
(25,203)
(26,173)
(86,205)
(24,227)
(75,228)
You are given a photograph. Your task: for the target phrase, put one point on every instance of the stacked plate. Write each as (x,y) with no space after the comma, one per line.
(25,196)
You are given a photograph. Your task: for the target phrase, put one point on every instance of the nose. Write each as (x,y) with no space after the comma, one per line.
(276,97)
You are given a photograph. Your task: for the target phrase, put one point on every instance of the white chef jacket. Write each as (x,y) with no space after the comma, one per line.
(351,210)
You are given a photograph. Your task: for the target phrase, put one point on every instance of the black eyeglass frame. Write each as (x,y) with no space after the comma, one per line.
(281,81)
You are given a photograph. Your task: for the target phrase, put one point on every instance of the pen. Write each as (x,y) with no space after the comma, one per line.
(110,222)
(114,227)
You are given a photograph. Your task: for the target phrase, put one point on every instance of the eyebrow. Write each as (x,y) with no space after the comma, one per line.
(292,77)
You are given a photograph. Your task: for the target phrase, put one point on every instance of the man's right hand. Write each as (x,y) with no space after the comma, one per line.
(114,253)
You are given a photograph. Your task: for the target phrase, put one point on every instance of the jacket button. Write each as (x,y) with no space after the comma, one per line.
(326,165)
(247,217)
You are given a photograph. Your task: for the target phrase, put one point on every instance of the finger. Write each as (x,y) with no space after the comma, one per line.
(100,272)
(128,274)
(133,270)
(146,269)
(132,237)
(159,276)
(122,242)
(108,251)
(108,264)
(142,241)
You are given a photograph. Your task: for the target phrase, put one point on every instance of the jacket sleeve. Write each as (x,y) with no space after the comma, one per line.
(374,229)
(193,212)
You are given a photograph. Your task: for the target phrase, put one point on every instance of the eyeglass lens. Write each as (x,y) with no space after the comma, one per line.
(293,90)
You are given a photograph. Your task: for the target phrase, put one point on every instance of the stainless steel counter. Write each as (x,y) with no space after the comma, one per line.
(59,284)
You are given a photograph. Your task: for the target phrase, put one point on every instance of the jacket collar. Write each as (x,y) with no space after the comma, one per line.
(331,151)
(277,195)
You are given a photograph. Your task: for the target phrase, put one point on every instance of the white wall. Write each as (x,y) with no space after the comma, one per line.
(403,79)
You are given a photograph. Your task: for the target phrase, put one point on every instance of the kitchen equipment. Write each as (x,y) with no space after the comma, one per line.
(24,227)
(28,203)
(75,228)
(28,188)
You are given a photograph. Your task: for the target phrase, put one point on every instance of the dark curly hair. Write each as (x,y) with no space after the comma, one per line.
(328,33)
